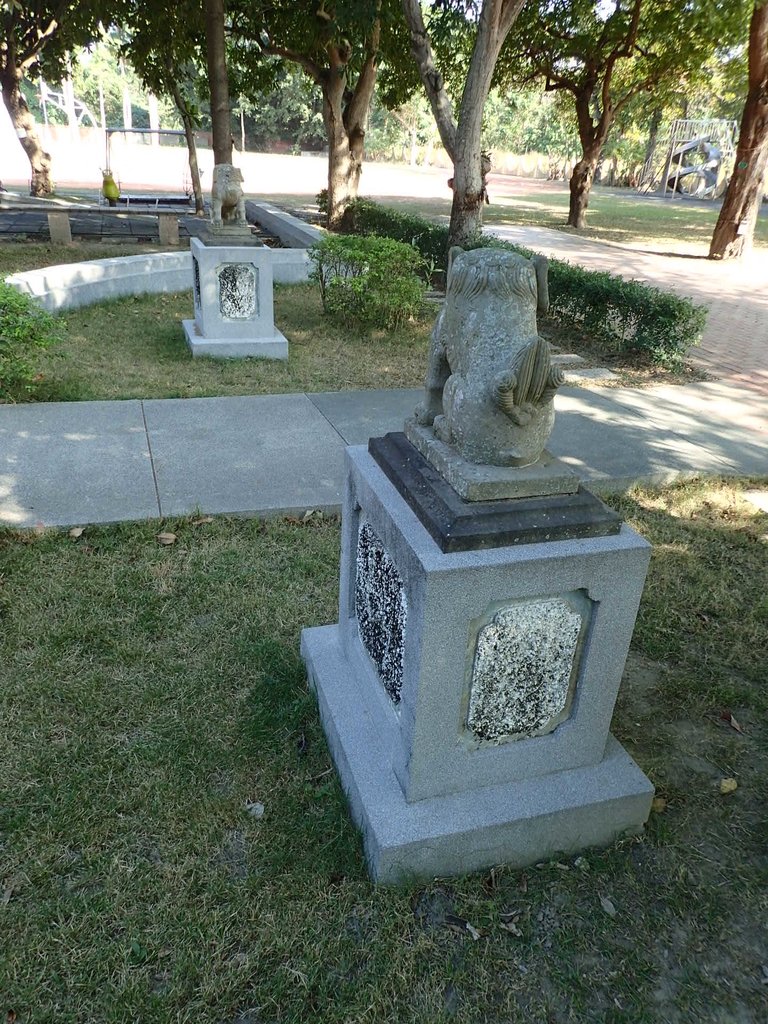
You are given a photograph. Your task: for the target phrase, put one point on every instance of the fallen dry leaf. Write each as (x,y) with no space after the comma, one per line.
(10,1017)
(727,717)
(6,897)
(508,922)
(166,538)
(202,520)
(76,532)
(254,808)
(728,786)
(607,906)
(658,804)
(458,924)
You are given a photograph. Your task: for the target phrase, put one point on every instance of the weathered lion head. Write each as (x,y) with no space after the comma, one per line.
(500,272)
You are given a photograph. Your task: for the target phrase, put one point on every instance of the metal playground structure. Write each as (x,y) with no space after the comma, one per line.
(692,158)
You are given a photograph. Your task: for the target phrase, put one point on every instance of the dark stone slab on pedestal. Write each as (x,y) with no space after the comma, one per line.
(458,525)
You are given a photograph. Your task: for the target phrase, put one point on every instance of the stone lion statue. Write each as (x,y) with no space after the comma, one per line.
(228,201)
(490,382)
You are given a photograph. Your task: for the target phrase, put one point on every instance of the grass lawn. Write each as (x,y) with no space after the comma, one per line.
(17,257)
(135,347)
(152,697)
(614,215)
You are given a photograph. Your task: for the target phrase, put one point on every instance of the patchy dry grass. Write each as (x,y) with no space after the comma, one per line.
(16,257)
(135,348)
(149,694)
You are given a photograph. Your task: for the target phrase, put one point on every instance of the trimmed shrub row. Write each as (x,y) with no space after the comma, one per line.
(620,315)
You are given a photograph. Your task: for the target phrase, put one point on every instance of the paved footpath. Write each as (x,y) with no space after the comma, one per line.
(65,464)
(97,462)
(734,346)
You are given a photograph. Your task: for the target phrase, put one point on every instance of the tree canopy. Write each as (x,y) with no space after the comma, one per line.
(604,54)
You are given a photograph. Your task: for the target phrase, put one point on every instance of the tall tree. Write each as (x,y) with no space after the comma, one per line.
(606,53)
(339,45)
(735,226)
(35,38)
(218,81)
(166,47)
(461,135)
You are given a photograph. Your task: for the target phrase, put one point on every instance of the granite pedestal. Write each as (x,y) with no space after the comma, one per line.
(467,695)
(234,311)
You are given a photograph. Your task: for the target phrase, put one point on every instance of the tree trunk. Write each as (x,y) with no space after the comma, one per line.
(735,226)
(218,81)
(189,134)
(580,185)
(24,123)
(653,133)
(345,154)
(194,170)
(468,192)
(462,137)
(345,113)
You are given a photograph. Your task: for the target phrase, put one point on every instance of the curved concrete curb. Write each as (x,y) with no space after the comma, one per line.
(72,285)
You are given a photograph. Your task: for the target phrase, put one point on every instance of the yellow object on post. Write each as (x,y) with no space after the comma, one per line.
(109,188)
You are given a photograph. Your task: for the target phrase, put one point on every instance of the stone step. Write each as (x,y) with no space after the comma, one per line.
(595,373)
(566,359)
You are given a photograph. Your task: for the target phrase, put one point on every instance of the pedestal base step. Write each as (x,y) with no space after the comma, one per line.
(518,823)
(459,525)
(274,346)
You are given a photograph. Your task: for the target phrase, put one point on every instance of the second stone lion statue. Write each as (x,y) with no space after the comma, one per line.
(490,382)
(227,199)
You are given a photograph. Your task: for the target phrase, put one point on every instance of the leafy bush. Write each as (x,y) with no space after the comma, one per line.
(619,315)
(25,330)
(368,281)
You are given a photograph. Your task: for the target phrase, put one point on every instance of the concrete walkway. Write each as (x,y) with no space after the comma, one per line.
(67,464)
(734,346)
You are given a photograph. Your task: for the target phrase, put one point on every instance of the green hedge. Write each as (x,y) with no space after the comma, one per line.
(369,218)
(619,315)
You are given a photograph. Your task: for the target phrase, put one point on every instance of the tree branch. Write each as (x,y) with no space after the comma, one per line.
(313,70)
(421,48)
(366,81)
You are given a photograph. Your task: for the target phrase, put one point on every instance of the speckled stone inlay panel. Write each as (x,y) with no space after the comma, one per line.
(238,291)
(196,282)
(522,670)
(381,609)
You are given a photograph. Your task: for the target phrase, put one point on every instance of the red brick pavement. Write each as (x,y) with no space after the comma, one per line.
(734,346)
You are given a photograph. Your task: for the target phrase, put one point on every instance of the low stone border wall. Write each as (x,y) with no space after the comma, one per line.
(72,285)
(291,231)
